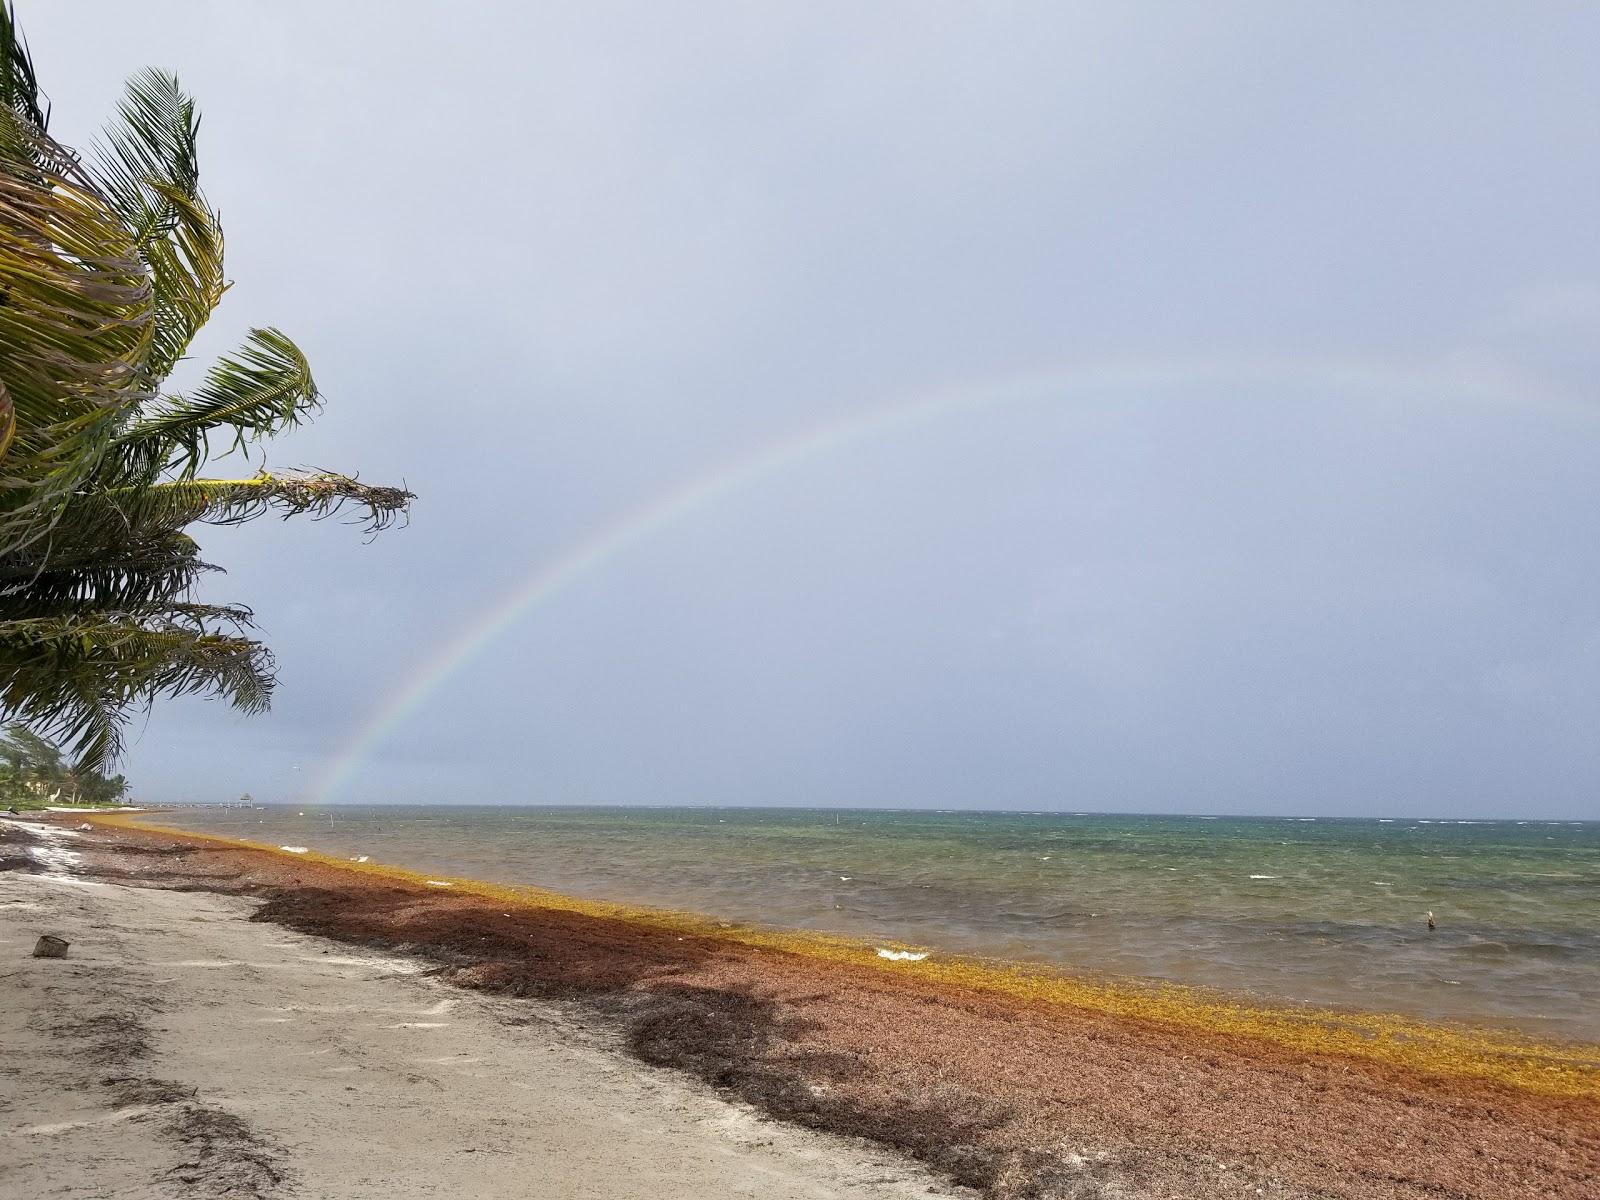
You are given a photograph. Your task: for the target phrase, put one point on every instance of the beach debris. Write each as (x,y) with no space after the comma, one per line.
(358,858)
(85,828)
(295,849)
(1431,924)
(50,946)
(902,955)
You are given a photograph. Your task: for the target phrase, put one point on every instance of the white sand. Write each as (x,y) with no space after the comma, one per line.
(282,1065)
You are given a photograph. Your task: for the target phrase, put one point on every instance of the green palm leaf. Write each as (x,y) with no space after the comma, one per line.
(117,514)
(19,86)
(149,168)
(77,679)
(263,389)
(127,575)
(76,325)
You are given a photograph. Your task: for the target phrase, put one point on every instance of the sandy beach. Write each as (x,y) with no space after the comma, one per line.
(183,1050)
(237,1021)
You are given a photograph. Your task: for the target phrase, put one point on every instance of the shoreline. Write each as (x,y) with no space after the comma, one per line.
(1271,915)
(183,1050)
(1562,1068)
(1010,1082)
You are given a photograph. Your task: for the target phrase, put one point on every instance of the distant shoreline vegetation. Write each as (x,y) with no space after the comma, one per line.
(34,774)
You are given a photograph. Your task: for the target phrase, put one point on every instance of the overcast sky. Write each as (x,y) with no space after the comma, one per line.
(1302,518)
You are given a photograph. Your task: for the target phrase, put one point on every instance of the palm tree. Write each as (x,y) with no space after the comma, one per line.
(109,267)
(32,769)
(28,761)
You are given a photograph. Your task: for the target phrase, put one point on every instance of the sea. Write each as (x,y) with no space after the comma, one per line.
(1322,911)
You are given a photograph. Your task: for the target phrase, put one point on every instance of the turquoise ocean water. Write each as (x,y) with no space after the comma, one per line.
(1326,911)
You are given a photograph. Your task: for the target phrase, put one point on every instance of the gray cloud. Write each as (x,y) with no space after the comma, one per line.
(553,261)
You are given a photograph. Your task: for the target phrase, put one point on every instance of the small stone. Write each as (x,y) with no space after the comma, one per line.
(49,946)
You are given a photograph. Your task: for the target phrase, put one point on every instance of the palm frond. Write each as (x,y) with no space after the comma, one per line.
(123,575)
(149,167)
(108,516)
(149,150)
(19,85)
(261,390)
(76,324)
(77,679)
(186,272)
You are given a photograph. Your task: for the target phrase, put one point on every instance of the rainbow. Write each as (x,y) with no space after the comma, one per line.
(1087,387)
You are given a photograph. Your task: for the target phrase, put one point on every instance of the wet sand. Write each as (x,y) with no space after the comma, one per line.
(184,1050)
(1015,1091)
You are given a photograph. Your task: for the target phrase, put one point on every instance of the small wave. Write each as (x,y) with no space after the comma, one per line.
(54,859)
(902,955)
(1265,877)
(295,849)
